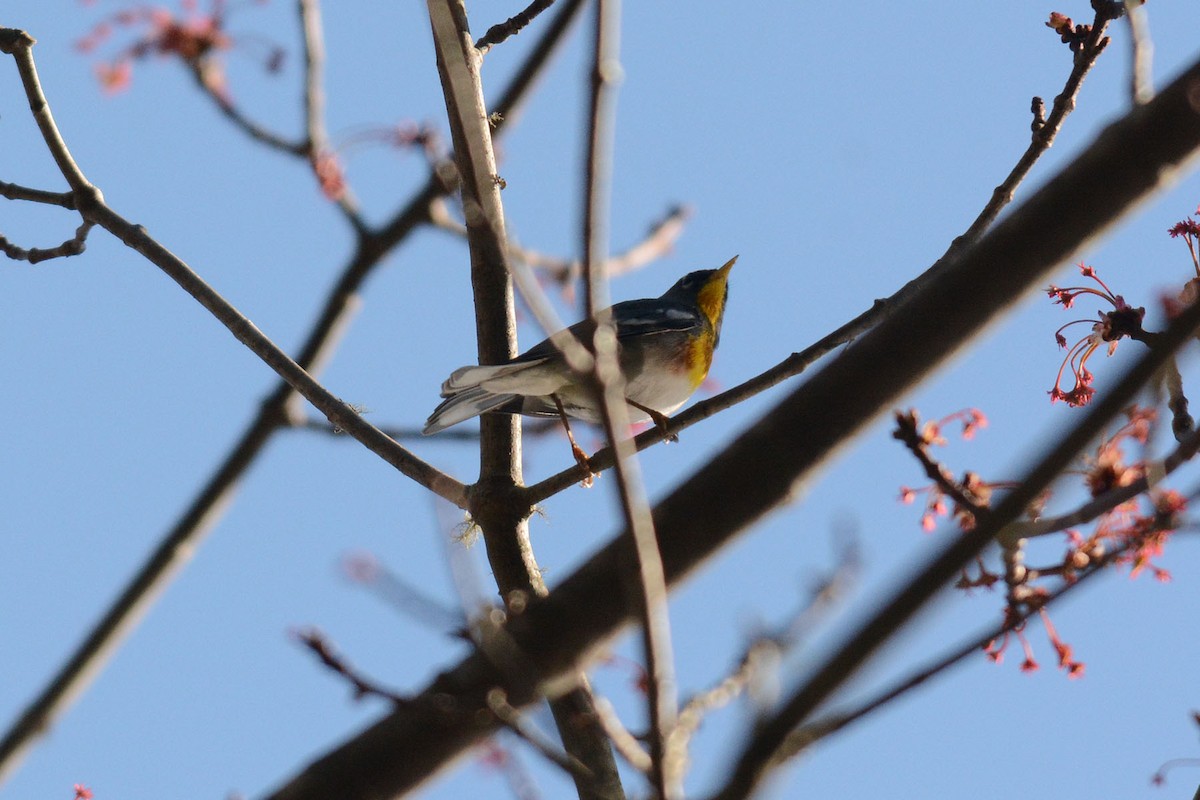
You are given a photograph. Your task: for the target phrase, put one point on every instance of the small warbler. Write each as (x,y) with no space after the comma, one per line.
(665,348)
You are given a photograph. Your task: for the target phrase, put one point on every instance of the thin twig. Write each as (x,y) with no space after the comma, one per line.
(13,191)
(1141,83)
(798,362)
(260,133)
(529,428)
(367,571)
(907,432)
(70,247)
(316,138)
(314,65)
(312,146)
(499,509)
(645,580)
(1155,472)
(338,412)
(93,208)
(812,732)
(1045,134)
(511,26)
(658,241)
(769,463)
(316,643)
(766,649)
(623,741)
(512,719)
(177,545)
(762,751)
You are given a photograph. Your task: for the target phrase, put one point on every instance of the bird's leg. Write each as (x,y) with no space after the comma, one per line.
(661,421)
(580,457)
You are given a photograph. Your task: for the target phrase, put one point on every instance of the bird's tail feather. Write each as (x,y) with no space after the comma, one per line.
(517,377)
(462,406)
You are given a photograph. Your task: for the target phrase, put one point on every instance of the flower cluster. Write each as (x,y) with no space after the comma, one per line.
(1124,320)
(945,493)
(1015,629)
(938,504)
(328,165)
(1131,533)
(1072,35)
(1076,36)
(193,36)
(1136,536)
(1189,230)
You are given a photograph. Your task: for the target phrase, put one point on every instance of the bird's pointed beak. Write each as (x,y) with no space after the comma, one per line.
(728,266)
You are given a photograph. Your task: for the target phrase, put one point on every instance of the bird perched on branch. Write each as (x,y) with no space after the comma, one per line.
(665,347)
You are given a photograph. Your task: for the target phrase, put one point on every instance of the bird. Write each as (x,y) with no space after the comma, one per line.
(665,348)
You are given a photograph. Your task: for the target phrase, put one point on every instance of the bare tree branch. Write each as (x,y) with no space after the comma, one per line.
(69,247)
(91,205)
(178,544)
(768,744)
(1102,504)
(257,132)
(765,650)
(511,26)
(497,506)
(337,411)
(512,719)
(657,242)
(317,147)
(1141,83)
(1044,134)
(810,733)
(625,742)
(1130,160)
(644,581)
(907,432)
(14,191)
(1182,423)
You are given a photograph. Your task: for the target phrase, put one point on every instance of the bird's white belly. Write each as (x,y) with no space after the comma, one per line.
(664,393)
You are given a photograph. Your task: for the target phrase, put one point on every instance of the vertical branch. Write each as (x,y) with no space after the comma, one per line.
(1141,85)
(645,582)
(316,138)
(495,319)
(763,750)
(176,547)
(770,462)
(181,541)
(314,67)
(497,504)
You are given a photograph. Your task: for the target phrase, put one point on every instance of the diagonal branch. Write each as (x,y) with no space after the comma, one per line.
(1184,452)
(497,505)
(176,547)
(767,744)
(1045,132)
(658,241)
(90,204)
(316,139)
(511,26)
(812,732)
(1130,160)
(644,582)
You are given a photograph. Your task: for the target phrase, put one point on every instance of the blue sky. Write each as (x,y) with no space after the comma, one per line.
(836,148)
